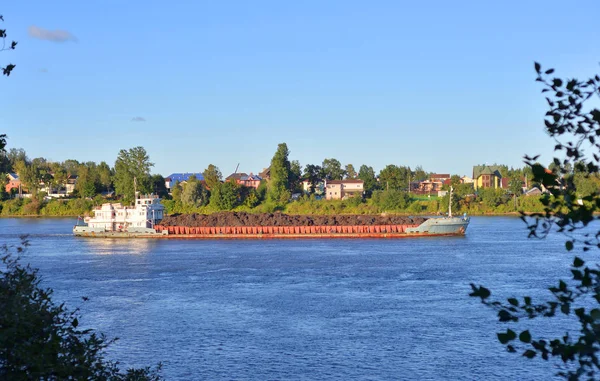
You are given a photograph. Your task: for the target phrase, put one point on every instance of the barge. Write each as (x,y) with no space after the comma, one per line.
(143,220)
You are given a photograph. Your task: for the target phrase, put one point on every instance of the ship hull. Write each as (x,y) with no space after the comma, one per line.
(434,227)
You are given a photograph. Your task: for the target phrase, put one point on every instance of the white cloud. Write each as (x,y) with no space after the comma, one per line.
(57,35)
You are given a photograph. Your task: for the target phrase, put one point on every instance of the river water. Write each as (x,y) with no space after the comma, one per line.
(303,309)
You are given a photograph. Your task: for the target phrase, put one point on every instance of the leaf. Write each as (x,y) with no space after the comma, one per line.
(565,309)
(538,67)
(525,337)
(549,71)
(569,245)
(529,354)
(75,323)
(578,262)
(513,301)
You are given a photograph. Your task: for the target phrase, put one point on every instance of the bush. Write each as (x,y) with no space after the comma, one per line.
(40,340)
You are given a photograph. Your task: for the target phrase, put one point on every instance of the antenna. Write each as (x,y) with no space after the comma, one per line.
(236,168)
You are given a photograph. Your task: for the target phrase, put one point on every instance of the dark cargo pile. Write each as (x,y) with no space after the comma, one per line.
(279,219)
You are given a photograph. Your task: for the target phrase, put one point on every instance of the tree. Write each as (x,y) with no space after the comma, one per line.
(350,172)
(332,169)
(29,176)
(225,196)
(105,176)
(280,175)
(158,186)
(212,176)
(367,175)
(6,70)
(194,194)
(312,173)
(419,174)
(574,125)
(132,164)
(41,340)
(391,177)
(295,176)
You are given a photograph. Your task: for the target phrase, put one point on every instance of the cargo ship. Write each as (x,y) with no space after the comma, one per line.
(143,220)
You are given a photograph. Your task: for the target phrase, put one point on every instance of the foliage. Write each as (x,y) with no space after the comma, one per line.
(350,172)
(132,164)
(394,177)
(194,194)
(312,173)
(41,340)
(295,176)
(367,175)
(280,175)
(390,200)
(158,186)
(6,70)
(225,196)
(332,169)
(575,127)
(212,176)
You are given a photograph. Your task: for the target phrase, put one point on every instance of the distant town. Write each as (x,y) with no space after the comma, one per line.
(37,186)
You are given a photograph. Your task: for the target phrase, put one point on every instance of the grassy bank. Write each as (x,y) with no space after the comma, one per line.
(308,206)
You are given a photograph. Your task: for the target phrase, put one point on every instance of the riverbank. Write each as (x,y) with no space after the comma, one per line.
(418,207)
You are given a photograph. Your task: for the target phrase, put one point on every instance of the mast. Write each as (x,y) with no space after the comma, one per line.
(450,203)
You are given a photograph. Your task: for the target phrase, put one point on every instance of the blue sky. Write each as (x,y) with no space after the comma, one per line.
(445,85)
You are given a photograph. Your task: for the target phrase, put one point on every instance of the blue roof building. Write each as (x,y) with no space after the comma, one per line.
(179,177)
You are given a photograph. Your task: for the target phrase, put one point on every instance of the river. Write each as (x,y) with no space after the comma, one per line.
(302,309)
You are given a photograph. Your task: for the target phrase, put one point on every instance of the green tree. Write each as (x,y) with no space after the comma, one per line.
(212,176)
(391,200)
(132,164)
(332,169)
(280,175)
(225,196)
(393,177)
(350,172)
(29,175)
(312,173)
(41,340)
(105,176)
(194,194)
(176,191)
(367,175)
(295,176)
(6,70)
(419,174)
(574,125)
(158,186)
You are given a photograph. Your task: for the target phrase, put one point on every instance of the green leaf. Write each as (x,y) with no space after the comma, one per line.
(529,354)
(578,262)
(565,309)
(538,67)
(595,314)
(569,245)
(513,301)
(75,323)
(525,337)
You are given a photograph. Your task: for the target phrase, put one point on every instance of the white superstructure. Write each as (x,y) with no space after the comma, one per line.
(140,218)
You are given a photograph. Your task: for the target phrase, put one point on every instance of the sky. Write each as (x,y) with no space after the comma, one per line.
(444,85)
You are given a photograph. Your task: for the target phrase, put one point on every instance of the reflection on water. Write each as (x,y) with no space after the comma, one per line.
(116,246)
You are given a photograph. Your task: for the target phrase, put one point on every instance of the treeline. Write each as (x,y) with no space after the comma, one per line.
(386,191)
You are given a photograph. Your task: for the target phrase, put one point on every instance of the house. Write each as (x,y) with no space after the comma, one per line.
(433,185)
(237,176)
(466,180)
(319,186)
(342,189)
(179,178)
(251,181)
(487,176)
(71,182)
(13,183)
